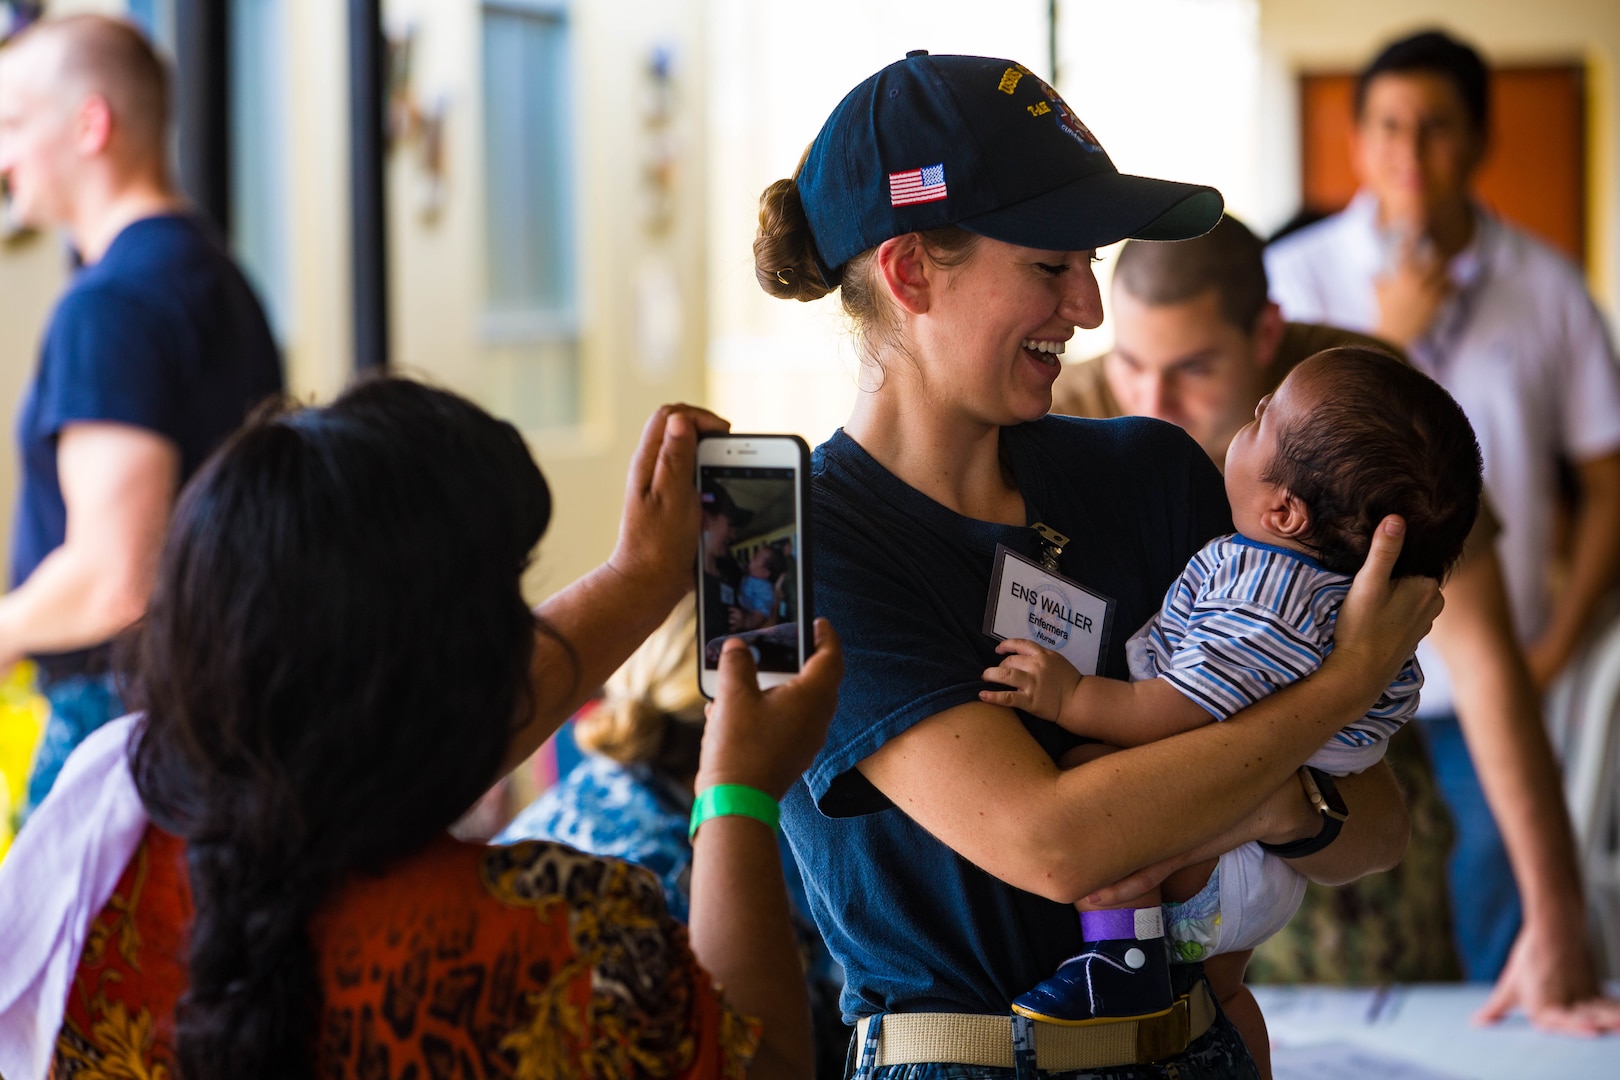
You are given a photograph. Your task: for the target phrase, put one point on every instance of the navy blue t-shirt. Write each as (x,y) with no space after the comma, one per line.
(162,333)
(904,580)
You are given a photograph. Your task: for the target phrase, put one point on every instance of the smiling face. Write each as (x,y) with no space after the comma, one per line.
(1415,146)
(990,343)
(1261,509)
(1185,363)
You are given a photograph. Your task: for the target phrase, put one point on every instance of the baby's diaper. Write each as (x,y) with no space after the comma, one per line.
(1249,897)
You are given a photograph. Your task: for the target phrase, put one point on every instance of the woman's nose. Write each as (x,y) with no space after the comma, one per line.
(1082,302)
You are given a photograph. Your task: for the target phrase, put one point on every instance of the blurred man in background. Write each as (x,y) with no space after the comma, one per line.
(1506,325)
(157,350)
(1198,343)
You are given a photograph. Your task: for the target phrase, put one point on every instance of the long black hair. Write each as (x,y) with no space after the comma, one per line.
(331,666)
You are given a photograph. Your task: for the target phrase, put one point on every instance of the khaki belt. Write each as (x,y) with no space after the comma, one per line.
(986,1040)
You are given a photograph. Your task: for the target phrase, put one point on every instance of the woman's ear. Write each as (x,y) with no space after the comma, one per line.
(903,264)
(1286,516)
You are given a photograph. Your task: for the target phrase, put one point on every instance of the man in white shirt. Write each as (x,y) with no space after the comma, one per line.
(1506,325)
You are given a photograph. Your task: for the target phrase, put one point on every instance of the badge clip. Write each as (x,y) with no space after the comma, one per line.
(1049,544)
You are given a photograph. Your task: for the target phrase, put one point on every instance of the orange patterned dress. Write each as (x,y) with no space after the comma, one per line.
(532,961)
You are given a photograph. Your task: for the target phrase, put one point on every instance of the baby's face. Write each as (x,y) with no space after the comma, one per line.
(1254,447)
(760,565)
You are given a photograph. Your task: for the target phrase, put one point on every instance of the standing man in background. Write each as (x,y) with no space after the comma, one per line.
(1506,326)
(1198,344)
(155,353)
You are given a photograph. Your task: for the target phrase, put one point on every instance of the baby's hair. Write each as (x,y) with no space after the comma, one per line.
(1382,438)
(774,560)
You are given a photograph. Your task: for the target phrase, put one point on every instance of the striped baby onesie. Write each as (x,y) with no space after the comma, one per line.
(1244,620)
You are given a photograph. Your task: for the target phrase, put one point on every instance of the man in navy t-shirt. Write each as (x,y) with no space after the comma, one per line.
(156,352)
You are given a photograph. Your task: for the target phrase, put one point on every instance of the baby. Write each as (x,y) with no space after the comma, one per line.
(1350,436)
(758,592)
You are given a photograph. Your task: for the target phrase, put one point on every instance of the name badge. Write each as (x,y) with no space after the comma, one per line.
(1028,601)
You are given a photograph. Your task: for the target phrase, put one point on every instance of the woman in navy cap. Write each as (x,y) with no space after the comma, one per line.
(957,204)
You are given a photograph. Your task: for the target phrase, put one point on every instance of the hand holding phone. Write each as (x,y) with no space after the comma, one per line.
(753,568)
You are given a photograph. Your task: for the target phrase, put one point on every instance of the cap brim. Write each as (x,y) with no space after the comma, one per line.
(1102,209)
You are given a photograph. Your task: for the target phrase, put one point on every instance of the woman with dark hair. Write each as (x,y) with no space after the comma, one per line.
(336,662)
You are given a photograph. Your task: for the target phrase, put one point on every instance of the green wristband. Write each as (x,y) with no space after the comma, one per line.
(723,800)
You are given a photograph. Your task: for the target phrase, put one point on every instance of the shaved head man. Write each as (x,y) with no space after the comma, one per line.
(1198,344)
(153,355)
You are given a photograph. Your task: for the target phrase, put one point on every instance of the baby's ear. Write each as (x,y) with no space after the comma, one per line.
(1287,516)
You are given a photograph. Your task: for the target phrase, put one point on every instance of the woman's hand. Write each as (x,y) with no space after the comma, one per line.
(1382,621)
(766,739)
(658,534)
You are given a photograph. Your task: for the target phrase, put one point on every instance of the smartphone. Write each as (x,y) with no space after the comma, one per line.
(753,572)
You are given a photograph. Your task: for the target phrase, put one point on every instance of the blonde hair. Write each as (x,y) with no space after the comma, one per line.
(655,689)
(111,58)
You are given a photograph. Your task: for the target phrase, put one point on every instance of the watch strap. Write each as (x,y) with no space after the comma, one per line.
(1324,796)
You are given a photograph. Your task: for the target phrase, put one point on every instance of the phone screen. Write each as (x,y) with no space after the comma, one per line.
(749,562)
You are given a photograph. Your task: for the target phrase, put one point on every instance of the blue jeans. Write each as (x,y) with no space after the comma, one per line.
(1485,911)
(79,705)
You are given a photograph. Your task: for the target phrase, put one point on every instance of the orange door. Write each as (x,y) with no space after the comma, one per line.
(1535,168)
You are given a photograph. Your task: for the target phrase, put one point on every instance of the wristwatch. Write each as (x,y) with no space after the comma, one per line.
(1324,795)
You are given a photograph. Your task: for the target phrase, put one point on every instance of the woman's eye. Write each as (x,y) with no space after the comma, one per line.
(1052,268)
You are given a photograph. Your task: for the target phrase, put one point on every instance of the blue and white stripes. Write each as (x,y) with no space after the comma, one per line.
(1246,619)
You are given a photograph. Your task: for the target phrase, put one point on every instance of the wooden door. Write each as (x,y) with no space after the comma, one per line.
(1534,173)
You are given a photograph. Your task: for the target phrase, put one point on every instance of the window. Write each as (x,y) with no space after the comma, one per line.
(260,214)
(530,308)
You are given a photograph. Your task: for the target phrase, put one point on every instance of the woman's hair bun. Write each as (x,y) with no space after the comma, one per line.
(784,251)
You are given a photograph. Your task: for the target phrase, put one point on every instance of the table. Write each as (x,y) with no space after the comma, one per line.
(1419,1032)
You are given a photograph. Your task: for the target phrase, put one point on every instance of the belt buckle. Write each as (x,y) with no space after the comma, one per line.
(1164,1036)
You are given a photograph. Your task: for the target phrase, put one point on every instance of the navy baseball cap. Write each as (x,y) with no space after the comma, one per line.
(986,145)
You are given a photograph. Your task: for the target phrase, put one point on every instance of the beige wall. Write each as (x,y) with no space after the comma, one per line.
(1298,34)
(437,264)
(629,364)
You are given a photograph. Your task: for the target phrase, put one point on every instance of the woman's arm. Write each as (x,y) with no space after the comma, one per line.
(611,610)
(974,778)
(1373,839)
(740,928)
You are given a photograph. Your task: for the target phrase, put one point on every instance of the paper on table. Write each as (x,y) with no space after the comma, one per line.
(1345,1061)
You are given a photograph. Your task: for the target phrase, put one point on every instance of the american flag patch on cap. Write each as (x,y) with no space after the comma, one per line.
(917,186)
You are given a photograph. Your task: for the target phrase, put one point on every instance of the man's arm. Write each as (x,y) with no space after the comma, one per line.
(118,484)
(1594,567)
(1550,973)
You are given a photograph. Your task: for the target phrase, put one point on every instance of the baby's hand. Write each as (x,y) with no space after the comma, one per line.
(1041,679)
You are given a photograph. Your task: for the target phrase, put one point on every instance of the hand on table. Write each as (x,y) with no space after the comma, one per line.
(1550,976)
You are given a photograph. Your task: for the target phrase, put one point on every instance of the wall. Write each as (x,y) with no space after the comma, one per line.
(628,367)
(1299,34)
(629,364)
